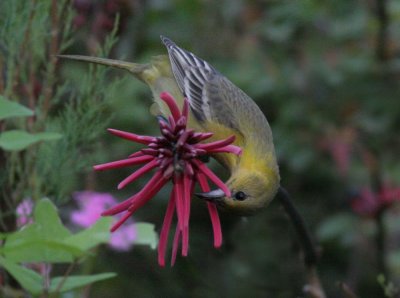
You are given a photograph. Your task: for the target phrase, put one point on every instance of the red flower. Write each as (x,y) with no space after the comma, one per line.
(175,156)
(367,203)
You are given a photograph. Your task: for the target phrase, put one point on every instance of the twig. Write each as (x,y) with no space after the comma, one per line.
(377,186)
(346,290)
(382,37)
(52,56)
(64,278)
(314,286)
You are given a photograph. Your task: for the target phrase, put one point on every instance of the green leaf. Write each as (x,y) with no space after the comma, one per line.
(16,140)
(338,227)
(9,109)
(73,282)
(42,241)
(29,279)
(146,234)
(96,234)
(47,240)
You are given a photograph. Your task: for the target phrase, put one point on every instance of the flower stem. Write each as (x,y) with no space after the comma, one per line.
(314,286)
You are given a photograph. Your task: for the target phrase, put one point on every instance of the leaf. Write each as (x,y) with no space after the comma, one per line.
(29,279)
(73,282)
(16,140)
(9,109)
(93,236)
(42,241)
(146,234)
(47,240)
(339,227)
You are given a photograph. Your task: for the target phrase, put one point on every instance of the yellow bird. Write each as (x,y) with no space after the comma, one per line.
(216,106)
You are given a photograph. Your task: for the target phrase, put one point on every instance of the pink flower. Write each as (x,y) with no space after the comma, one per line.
(175,156)
(24,212)
(91,205)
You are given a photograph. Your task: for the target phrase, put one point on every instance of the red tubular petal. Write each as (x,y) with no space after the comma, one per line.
(132,137)
(149,151)
(228,149)
(212,210)
(166,152)
(185,108)
(171,103)
(123,163)
(183,138)
(162,244)
(168,171)
(152,187)
(189,169)
(180,125)
(187,186)
(210,175)
(123,219)
(137,200)
(136,154)
(200,136)
(143,170)
(118,208)
(171,123)
(216,144)
(216,224)
(175,245)
(179,194)
(165,162)
(167,134)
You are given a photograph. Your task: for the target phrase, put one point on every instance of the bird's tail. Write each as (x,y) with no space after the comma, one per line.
(135,69)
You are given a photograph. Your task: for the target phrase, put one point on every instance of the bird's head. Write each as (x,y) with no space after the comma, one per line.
(250,192)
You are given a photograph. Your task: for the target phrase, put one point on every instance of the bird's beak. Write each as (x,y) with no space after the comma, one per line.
(212,196)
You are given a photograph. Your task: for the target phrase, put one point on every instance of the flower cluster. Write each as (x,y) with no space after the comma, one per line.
(176,156)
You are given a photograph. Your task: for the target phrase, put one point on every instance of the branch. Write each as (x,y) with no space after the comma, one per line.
(314,286)
(382,37)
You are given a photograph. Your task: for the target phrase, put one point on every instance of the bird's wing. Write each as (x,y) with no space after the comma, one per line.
(209,93)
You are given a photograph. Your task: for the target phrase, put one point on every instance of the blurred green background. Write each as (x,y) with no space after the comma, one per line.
(326,74)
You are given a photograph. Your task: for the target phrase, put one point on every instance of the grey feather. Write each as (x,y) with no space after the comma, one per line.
(213,97)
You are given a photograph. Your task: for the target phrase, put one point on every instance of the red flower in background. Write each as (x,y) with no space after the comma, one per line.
(368,203)
(175,156)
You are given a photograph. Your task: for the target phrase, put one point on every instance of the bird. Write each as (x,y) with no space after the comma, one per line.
(218,106)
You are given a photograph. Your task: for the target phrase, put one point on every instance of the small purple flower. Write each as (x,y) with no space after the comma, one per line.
(91,205)
(24,212)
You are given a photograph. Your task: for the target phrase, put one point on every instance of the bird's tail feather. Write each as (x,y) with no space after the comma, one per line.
(134,68)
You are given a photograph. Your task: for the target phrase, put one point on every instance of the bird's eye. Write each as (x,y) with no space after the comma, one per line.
(240,196)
